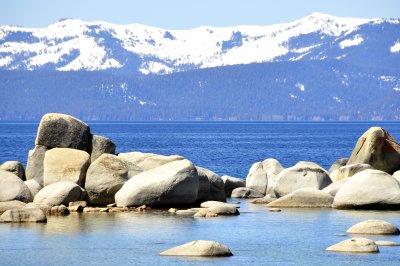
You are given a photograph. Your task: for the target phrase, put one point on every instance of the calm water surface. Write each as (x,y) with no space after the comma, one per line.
(256,237)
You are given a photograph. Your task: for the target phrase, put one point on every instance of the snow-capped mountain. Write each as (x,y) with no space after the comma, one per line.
(72,44)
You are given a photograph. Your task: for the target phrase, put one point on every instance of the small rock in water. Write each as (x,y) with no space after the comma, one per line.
(27,215)
(387,243)
(355,245)
(202,248)
(374,227)
(172,210)
(274,210)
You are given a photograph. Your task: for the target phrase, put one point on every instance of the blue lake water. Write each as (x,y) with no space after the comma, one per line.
(256,237)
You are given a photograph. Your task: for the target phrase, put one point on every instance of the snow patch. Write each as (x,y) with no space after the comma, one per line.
(396,89)
(154,67)
(300,86)
(357,40)
(395,48)
(5,61)
(337,99)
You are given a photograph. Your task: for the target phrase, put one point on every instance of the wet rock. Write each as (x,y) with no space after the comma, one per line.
(244,192)
(377,148)
(304,198)
(230,183)
(355,245)
(26,215)
(35,165)
(14,167)
(13,188)
(101,145)
(199,248)
(374,227)
(62,164)
(59,193)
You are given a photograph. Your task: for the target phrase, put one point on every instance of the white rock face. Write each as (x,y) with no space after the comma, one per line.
(199,248)
(261,177)
(174,183)
(63,164)
(355,245)
(59,193)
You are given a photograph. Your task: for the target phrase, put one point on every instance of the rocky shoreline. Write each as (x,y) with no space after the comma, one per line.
(71,170)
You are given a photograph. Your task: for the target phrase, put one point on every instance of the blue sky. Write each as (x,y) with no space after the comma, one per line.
(183,14)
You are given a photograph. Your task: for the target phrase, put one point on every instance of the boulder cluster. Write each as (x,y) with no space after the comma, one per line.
(68,165)
(369,179)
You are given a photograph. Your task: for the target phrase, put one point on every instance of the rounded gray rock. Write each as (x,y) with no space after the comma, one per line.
(199,248)
(14,167)
(230,183)
(26,215)
(374,227)
(13,188)
(59,193)
(304,198)
(245,192)
(101,145)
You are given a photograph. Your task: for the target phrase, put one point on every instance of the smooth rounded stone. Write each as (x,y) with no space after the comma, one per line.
(230,183)
(304,198)
(13,188)
(369,189)
(158,160)
(397,175)
(337,164)
(174,183)
(101,145)
(261,176)
(267,199)
(216,188)
(61,210)
(301,175)
(348,171)
(374,227)
(26,215)
(208,204)
(386,243)
(62,192)
(202,248)
(34,167)
(10,205)
(33,186)
(245,192)
(186,212)
(77,206)
(104,178)
(63,131)
(333,188)
(63,164)
(14,167)
(377,148)
(355,245)
(224,209)
(135,157)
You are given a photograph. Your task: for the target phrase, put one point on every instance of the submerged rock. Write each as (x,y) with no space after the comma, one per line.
(377,148)
(59,193)
(230,183)
(26,215)
(199,248)
(355,245)
(63,131)
(374,227)
(14,167)
(304,198)
(174,183)
(13,188)
(244,192)
(301,175)
(369,189)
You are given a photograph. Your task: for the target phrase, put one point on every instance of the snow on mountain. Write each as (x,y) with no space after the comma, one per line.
(73,44)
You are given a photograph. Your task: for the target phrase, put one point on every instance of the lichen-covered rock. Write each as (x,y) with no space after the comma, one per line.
(101,145)
(175,183)
(199,248)
(63,164)
(377,148)
(301,175)
(304,198)
(14,167)
(63,131)
(59,193)
(26,215)
(230,183)
(374,227)
(35,165)
(13,188)
(369,189)
(105,177)
(355,245)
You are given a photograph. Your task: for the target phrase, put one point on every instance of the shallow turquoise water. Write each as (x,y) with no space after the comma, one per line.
(256,237)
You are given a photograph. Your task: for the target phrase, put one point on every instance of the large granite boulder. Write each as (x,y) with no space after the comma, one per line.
(63,164)
(175,183)
(25,215)
(261,176)
(337,164)
(369,189)
(62,192)
(348,170)
(101,145)
(301,175)
(304,198)
(63,131)
(397,175)
(215,189)
(333,188)
(199,248)
(14,167)
(245,192)
(158,160)
(10,205)
(377,148)
(374,227)
(13,188)
(355,245)
(230,183)
(135,157)
(105,177)
(33,186)
(35,165)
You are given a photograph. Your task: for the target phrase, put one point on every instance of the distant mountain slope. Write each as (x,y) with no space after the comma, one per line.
(72,45)
(300,90)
